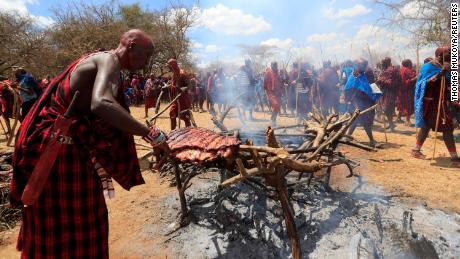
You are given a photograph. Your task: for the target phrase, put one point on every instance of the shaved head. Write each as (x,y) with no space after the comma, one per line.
(136,47)
(137,36)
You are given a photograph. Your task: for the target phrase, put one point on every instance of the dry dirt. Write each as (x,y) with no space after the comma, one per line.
(134,214)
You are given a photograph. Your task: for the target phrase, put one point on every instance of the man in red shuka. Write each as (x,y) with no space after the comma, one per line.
(70,217)
(389,81)
(405,100)
(180,84)
(274,90)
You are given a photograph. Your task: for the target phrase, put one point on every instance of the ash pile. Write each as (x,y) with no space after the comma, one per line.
(8,216)
(245,220)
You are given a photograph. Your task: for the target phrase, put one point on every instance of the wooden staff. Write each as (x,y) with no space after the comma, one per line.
(6,133)
(384,124)
(164,109)
(441,100)
(16,115)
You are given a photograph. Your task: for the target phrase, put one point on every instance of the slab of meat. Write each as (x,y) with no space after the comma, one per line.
(198,145)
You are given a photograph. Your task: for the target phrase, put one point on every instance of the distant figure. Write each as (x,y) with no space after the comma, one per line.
(359,93)
(150,94)
(328,90)
(389,81)
(274,90)
(427,93)
(28,90)
(180,83)
(405,100)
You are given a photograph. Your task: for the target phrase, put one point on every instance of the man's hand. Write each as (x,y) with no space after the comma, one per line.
(445,67)
(155,137)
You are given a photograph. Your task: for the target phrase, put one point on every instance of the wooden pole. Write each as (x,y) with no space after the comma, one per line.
(441,100)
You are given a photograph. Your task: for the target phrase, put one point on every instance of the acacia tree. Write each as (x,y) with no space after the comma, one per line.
(23,43)
(82,28)
(427,21)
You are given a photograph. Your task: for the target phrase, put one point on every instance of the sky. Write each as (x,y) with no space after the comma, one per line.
(313,31)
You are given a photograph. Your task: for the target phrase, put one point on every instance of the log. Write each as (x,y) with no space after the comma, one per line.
(280,152)
(241,177)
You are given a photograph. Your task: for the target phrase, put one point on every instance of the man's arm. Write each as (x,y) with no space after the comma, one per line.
(104,104)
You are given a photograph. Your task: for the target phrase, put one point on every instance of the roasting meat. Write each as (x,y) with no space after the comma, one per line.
(198,145)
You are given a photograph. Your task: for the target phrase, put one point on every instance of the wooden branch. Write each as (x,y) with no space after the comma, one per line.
(239,178)
(336,136)
(358,145)
(164,109)
(280,152)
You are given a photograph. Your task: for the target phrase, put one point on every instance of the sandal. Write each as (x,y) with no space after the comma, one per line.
(455,163)
(417,154)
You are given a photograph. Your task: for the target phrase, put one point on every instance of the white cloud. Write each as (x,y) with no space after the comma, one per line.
(43,21)
(20,6)
(211,48)
(347,13)
(276,42)
(322,37)
(230,21)
(196,45)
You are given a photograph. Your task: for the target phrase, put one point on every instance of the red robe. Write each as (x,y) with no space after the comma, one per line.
(179,81)
(389,82)
(274,89)
(70,217)
(150,94)
(405,100)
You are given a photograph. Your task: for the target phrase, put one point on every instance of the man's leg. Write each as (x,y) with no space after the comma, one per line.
(448,137)
(173,123)
(146,112)
(273,118)
(352,128)
(187,122)
(421,137)
(368,129)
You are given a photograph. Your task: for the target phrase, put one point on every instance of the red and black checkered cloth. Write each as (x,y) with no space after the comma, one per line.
(70,217)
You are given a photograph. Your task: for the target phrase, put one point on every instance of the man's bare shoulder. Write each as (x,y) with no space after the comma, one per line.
(100,61)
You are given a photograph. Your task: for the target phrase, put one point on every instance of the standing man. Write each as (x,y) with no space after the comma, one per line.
(211,90)
(359,92)
(247,84)
(274,90)
(405,100)
(328,90)
(28,90)
(293,76)
(427,93)
(150,94)
(70,217)
(389,81)
(180,83)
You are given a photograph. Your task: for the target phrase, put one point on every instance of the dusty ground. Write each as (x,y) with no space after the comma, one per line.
(137,214)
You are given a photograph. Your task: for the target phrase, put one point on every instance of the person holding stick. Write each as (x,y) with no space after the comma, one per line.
(359,93)
(180,83)
(432,103)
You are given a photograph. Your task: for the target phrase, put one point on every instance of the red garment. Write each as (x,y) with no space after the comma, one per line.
(389,82)
(150,94)
(273,87)
(70,217)
(179,80)
(405,100)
